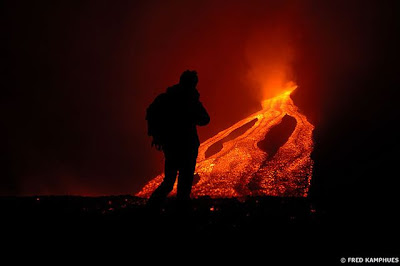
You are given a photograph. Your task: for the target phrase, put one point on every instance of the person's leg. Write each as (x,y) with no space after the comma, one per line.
(171,170)
(186,173)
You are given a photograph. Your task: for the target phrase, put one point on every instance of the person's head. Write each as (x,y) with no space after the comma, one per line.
(189,79)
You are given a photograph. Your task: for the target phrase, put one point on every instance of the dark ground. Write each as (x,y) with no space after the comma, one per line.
(205,214)
(251,228)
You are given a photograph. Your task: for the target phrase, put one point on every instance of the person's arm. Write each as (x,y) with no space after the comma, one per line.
(201,117)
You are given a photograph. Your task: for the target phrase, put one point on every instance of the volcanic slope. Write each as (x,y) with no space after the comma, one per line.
(265,154)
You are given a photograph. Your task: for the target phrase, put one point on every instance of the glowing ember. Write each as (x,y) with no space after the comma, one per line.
(241,168)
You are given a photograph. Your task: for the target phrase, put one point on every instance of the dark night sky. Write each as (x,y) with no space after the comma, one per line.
(77,78)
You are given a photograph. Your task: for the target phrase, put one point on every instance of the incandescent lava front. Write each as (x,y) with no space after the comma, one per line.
(257,161)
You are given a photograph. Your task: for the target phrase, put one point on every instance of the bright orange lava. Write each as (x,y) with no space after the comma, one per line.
(229,172)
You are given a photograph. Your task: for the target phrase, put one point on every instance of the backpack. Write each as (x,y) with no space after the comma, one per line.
(156,120)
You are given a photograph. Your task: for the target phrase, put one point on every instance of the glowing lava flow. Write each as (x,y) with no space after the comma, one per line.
(241,168)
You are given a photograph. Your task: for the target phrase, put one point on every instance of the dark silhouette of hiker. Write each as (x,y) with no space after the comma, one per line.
(172,119)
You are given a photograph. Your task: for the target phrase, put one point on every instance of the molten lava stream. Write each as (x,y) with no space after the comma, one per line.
(241,168)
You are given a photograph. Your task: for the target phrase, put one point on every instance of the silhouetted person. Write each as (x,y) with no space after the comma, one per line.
(172,120)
